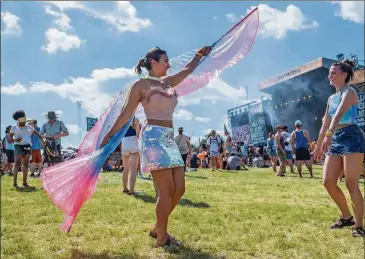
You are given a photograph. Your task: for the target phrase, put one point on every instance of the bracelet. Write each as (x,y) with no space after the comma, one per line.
(197,58)
(329,133)
(199,54)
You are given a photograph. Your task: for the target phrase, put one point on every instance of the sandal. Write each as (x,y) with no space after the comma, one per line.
(126,191)
(341,222)
(131,193)
(358,232)
(153,234)
(26,185)
(171,241)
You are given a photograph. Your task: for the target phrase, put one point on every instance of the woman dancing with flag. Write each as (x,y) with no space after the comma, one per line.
(71,183)
(160,154)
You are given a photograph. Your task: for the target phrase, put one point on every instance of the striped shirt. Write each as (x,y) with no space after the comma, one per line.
(53,129)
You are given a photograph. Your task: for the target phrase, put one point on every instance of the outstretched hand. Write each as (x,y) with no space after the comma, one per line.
(205,51)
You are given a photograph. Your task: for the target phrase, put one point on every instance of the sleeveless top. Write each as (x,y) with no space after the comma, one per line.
(130,132)
(300,139)
(159,102)
(349,117)
(8,146)
(229,147)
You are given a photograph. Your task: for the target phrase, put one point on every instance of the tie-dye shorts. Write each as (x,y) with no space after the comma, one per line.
(158,149)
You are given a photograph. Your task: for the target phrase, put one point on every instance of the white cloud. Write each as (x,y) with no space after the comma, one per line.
(123,15)
(215,17)
(10,22)
(216,91)
(59,40)
(88,90)
(181,114)
(107,73)
(350,10)
(202,119)
(61,19)
(232,17)
(73,128)
(220,132)
(13,89)
(276,24)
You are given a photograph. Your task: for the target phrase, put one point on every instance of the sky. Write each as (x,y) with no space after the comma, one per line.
(54,53)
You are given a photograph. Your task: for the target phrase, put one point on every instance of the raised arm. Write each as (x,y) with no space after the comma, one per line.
(177,78)
(132,102)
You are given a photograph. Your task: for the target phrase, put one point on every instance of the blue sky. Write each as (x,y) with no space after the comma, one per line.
(56,53)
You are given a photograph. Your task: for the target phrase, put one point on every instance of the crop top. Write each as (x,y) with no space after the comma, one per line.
(349,117)
(159,103)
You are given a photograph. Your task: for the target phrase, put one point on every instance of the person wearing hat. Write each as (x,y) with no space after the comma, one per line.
(301,143)
(280,151)
(183,143)
(53,129)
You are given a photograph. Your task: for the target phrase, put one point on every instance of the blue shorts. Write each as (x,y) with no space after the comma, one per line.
(347,140)
(213,153)
(273,153)
(289,155)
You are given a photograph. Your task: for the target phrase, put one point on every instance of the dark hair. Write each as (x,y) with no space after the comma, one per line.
(18,114)
(271,134)
(153,54)
(347,67)
(7,129)
(285,127)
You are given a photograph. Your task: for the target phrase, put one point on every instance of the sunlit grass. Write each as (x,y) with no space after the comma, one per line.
(242,214)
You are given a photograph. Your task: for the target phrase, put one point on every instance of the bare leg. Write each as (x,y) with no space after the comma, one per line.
(309,163)
(331,171)
(274,160)
(299,167)
(25,169)
(134,158)
(18,160)
(125,172)
(353,167)
(166,187)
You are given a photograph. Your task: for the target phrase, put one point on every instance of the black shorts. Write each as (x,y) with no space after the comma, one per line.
(10,155)
(22,150)
(302,154)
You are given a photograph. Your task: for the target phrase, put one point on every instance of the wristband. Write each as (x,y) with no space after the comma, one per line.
(200,55)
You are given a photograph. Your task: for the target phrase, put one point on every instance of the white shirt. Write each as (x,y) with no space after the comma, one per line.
(213,143)
(24,132)
(286,136)
(182,143)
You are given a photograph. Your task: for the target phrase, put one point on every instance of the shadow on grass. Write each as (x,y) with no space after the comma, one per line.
(304,177)
(26,189)
(189,253)
(196,176)
(183,202)
(76,254)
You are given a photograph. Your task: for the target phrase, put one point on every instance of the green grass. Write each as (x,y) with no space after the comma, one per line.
(222,215)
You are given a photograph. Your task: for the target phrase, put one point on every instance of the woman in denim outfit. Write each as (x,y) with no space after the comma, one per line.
(343,142)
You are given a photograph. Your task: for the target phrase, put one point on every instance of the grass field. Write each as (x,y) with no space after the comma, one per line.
(242,214)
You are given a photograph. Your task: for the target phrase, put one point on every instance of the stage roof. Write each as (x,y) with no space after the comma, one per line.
(317,64)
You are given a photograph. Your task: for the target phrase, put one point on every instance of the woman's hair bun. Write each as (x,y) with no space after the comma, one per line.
(349,62)
(141,62)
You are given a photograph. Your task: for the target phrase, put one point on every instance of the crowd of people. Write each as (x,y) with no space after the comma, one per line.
(153,148)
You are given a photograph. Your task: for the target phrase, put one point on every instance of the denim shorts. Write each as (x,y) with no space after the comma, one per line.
(347,140)
(214,153)
(289,155)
